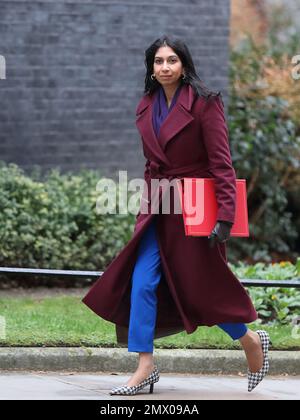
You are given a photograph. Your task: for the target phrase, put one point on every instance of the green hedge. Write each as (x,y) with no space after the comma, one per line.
(53,223)
(265,145)
(273,304)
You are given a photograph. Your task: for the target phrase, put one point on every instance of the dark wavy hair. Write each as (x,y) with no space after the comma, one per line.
(182,51)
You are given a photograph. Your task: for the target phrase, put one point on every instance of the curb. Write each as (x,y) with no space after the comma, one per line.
(91,359)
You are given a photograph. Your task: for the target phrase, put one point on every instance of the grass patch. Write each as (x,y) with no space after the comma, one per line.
(66,321)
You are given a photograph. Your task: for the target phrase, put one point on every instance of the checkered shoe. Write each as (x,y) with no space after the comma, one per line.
(255,378)
(132,390)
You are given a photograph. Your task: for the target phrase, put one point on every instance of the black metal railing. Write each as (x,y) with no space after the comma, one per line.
(90,274)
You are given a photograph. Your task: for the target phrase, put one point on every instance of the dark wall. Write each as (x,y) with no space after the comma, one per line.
(75,73)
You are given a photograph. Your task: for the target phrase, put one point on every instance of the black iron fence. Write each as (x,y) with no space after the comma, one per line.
(70,274)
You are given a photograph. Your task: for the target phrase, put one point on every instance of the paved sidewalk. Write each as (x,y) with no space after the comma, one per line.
(96,386)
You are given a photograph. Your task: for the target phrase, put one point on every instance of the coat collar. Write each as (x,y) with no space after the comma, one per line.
(176,120)
(185,98)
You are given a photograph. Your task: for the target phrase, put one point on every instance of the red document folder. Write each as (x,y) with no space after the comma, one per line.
(200,219)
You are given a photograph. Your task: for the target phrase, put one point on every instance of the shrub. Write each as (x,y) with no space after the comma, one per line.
(265,143)
(53,223)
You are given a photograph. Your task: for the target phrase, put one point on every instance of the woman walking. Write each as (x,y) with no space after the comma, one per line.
(164,282)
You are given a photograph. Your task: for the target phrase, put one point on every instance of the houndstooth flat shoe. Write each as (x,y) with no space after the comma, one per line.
(132,390)
(255,378)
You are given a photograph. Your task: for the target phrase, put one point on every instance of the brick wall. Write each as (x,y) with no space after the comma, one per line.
(75,73)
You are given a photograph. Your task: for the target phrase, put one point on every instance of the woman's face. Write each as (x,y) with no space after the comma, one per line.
(167,63)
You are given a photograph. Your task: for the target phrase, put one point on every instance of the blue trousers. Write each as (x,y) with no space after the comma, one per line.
(145,279)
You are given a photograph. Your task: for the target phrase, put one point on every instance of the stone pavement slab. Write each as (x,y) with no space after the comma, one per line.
(96,386)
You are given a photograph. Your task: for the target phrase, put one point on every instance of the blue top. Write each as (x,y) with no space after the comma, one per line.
(160,108)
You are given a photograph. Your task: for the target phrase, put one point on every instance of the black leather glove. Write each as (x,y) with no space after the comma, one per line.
(220,233)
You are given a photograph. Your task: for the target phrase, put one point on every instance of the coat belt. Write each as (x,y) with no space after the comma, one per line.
(157,170)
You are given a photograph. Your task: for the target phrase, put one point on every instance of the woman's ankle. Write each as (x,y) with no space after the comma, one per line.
(249,340)
(146,360)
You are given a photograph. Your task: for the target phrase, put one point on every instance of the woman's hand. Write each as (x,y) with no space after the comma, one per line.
(220,233)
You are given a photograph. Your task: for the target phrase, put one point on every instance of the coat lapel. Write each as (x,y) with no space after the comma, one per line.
(175,121)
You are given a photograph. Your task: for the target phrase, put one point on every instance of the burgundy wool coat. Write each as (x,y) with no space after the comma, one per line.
(197,286)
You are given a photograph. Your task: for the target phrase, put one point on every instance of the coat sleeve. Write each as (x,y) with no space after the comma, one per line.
(215,137)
